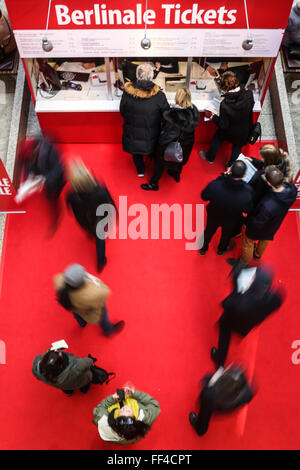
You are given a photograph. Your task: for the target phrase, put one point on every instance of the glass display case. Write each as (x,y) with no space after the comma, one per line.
(97,84)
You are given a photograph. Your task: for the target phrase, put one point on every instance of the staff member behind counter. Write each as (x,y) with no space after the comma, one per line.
(161,64)
(87,63)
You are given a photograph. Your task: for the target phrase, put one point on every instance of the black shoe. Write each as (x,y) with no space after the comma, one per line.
(175,176)
(193,418)
(85,388)
(118,327)
(68,393)
(202,251)
(100,267)
(214,354)
(203,155)
(149,187)
(230,247)
(232,261)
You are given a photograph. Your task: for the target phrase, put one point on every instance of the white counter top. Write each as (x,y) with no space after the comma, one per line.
(101,106)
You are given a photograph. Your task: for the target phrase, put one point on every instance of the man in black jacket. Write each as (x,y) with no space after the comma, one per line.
(251,301)
(235,120)
(229,198)
(265,220)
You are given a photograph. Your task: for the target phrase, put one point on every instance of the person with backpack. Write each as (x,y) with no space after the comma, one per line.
(224,391)
(126,416)
(63,370)
(179,124)
(85,295)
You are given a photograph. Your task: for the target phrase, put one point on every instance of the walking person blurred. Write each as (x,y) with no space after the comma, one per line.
(39,157)
(179,124)
(235,120)
(252,300)
(87,195)
(142,105)
(224,391)
(85,295)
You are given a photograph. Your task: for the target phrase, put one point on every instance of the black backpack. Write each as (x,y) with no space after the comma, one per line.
(101,375)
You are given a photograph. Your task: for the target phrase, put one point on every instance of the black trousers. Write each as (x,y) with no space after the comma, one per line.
(223,342)
(100,249)
(138,160)
(216,144)
(228,231)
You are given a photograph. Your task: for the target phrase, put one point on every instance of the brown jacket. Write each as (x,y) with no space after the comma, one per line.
(88,300)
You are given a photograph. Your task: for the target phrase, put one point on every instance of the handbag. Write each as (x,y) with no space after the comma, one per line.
(173,152)
(255,133)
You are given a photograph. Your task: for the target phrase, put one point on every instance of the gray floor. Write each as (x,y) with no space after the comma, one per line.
(7,93)
(292,81)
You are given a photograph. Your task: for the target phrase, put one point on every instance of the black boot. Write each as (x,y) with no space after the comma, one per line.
(149,187)
(214,354)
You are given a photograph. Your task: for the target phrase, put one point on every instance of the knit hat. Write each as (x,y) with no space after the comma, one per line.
(74,275)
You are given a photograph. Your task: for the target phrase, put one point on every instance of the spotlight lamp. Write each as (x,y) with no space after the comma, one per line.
(248,43)
(145,43)
(46,44)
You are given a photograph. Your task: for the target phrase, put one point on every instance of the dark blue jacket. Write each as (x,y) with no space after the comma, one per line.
(265,220)
(229,198)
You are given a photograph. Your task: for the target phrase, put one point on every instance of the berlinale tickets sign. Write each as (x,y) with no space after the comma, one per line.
(7,193)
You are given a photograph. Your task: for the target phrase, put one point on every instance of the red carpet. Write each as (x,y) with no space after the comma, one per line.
(170,299)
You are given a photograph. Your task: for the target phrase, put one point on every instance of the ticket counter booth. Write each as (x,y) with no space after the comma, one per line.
(78,55)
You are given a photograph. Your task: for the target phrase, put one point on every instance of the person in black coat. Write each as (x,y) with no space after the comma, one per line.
(86,197)
(235,120)
(224,391)
(249,304)
(266,218)
(271,155)
(142,106)
(229,197)
(179,124)
(39,157)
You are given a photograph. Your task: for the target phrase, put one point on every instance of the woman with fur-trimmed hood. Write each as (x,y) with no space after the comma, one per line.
(179,124)
(142,106)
